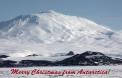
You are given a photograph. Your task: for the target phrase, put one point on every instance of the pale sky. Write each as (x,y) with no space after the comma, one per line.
(105,12)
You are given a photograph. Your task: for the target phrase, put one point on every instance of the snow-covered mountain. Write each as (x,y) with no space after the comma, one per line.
(49,27)
(50,32)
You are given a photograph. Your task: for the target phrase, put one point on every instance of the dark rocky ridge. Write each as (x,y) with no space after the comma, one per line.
(87,58)
(3,56)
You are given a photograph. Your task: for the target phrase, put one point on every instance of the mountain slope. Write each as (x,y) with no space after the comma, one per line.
(50,27)
(51,32)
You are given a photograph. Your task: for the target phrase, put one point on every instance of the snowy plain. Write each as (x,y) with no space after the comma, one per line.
(114,72)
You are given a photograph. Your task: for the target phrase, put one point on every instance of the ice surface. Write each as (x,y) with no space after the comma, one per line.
(114,72)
